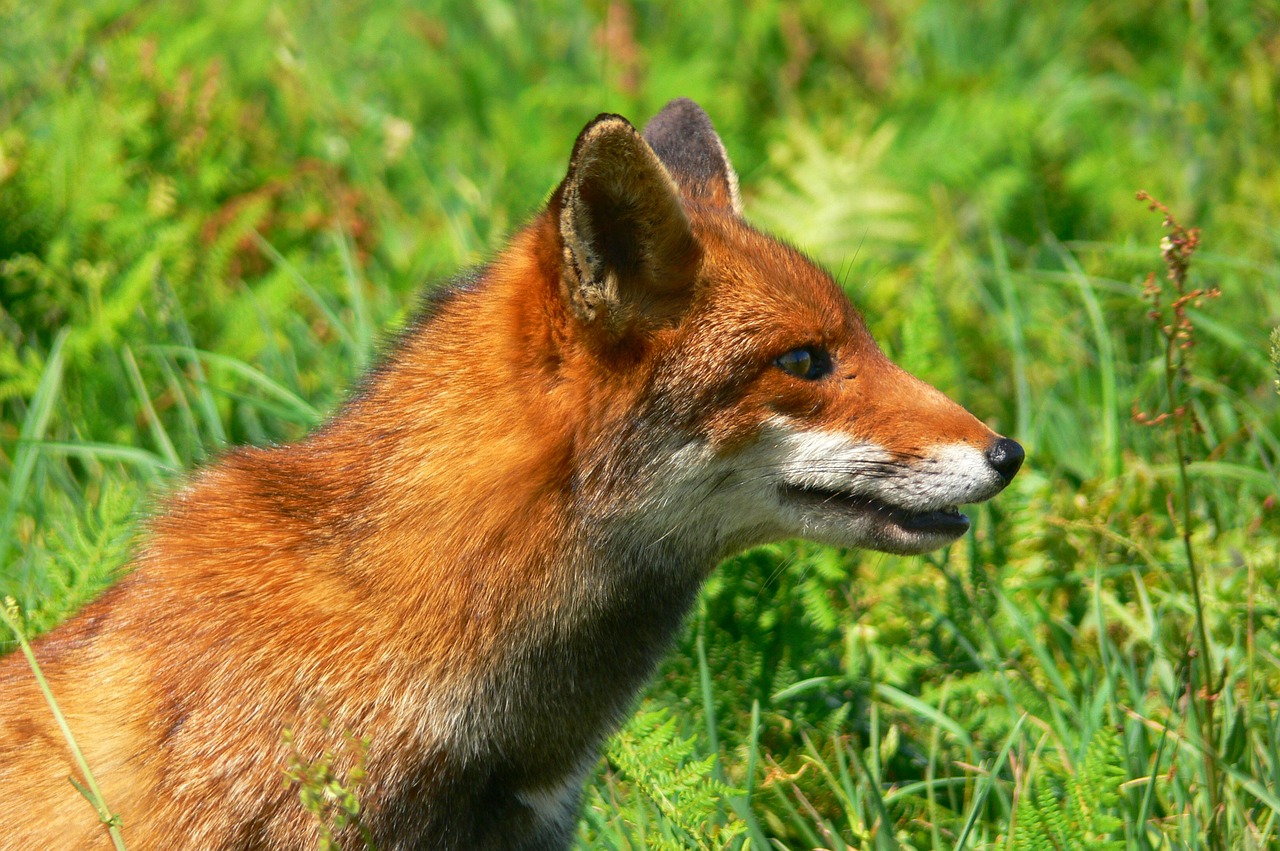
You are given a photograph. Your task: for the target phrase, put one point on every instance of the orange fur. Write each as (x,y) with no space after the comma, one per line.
(477,562)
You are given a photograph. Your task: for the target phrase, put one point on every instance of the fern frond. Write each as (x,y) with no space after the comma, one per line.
(661,764)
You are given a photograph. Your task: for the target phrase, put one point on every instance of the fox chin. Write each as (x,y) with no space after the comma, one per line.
(478,561)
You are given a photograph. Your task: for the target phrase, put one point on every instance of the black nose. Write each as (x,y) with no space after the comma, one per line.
(1006,456)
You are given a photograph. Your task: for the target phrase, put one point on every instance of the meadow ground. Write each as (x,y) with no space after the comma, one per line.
(210,214)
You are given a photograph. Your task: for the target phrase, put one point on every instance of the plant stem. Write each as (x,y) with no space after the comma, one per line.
(1206,686)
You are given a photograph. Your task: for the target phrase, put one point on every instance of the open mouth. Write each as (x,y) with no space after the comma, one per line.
(942,522)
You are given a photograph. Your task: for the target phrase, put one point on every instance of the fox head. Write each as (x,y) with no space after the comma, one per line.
(752,403)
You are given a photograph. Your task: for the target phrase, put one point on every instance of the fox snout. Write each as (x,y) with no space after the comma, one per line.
(854,492)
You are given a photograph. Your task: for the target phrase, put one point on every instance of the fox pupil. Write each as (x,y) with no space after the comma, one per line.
(807,362)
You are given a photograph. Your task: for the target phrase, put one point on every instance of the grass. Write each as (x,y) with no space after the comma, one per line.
(209,220)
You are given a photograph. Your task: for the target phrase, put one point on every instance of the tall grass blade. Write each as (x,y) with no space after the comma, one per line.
(34,424)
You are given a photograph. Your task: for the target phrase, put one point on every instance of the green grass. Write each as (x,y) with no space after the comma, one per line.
(209,218)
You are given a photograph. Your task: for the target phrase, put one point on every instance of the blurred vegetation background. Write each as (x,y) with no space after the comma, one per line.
(211,212)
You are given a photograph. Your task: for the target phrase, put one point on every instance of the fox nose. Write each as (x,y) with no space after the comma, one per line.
(1006,457)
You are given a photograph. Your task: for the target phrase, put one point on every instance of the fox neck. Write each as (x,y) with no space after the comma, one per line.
(542,621)
(543,545)
(493,517)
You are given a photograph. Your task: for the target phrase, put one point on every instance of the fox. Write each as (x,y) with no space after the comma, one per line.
(476,563)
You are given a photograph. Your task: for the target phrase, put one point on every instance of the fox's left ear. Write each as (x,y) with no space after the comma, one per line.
(684,139)
(630,257)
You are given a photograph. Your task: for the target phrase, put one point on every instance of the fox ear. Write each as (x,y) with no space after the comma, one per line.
(683,138)
(629,254)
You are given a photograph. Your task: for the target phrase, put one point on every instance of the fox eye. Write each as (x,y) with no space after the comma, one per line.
(807,362)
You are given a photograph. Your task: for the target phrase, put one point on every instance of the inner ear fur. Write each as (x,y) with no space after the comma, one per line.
(630,257)
(684,139)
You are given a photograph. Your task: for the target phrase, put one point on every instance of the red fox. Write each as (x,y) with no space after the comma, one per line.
(478,561)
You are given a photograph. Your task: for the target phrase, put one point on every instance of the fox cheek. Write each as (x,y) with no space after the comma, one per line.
(802,403)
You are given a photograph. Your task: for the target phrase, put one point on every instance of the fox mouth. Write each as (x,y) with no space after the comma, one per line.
(938,523)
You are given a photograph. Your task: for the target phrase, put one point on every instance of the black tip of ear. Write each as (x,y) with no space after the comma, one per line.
(681,115)
(685,140)
(606,121)
(604,124)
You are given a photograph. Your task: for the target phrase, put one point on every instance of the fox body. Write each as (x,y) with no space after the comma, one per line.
(477,562)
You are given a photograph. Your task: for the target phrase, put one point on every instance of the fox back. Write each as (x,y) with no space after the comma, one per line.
(478,561)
